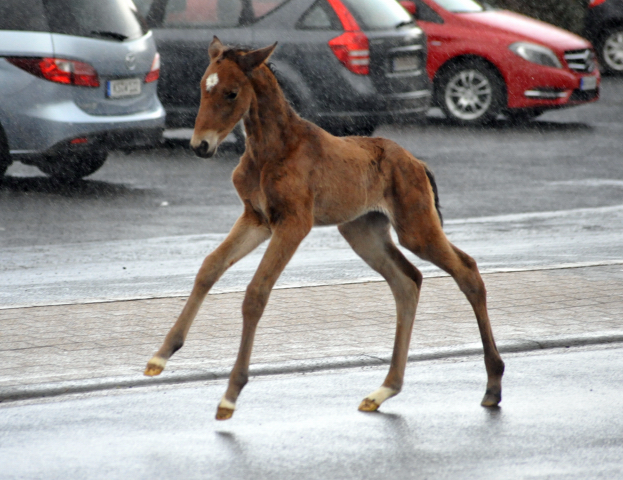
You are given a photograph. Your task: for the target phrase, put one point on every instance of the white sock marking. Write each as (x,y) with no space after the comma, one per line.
(161,362)
(381,394)
(227,404)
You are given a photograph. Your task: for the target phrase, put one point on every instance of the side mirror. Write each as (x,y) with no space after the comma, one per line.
(409,6)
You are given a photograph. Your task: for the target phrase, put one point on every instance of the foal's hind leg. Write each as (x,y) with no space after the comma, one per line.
(247,233)
(427,240)
(370,239)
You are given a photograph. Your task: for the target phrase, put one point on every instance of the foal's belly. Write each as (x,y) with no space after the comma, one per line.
(335,213)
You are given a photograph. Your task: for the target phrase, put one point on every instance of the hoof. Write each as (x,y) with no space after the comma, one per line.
(154,367)
(491,399)
(224,413)
(368,405)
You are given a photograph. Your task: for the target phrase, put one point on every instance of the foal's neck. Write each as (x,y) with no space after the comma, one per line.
(270,119)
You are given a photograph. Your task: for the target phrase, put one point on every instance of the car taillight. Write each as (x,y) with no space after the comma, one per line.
(154,72)
(594,3)
(59,70)
(352,47)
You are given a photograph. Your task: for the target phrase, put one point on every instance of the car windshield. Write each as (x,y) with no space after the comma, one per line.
(378,14)
(109,19)
(460,6)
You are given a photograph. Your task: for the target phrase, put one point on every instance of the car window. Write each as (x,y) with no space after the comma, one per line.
(110,19)
(264,7)
(319,17)
(26,15)
(425,13)
(460,6)
(378,14)
(203,13)
(206,13)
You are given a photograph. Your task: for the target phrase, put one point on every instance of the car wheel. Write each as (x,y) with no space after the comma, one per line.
(611,51)
(5,156)
(71,167)
(470,93)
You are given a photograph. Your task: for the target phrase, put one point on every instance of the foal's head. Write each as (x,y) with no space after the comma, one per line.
(226,94)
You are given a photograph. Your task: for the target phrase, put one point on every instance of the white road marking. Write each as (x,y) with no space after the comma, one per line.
(166,266)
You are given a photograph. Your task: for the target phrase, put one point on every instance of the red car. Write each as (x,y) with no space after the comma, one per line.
(483,62)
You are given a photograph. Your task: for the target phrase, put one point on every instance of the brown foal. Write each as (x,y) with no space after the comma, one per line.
(294,175)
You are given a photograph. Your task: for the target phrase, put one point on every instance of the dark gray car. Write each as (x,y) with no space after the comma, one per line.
(345,64)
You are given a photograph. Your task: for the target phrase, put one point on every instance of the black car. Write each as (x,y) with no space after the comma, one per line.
(344,64)
(604,28)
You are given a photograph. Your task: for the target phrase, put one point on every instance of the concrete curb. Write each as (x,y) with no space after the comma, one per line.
(312,365)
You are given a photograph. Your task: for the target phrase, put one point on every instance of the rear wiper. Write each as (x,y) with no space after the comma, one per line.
(113,35)
(404,23)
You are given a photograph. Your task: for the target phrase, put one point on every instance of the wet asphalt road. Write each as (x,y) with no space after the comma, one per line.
(545,194)
(560,417)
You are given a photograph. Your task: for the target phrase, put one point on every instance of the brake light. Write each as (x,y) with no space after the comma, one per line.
(59,70)
(594,3)
(352,47)
(154,72)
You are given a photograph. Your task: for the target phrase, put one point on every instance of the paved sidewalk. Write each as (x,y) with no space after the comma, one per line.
(56,349)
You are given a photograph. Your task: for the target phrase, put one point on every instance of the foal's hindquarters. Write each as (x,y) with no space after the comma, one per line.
(418,226)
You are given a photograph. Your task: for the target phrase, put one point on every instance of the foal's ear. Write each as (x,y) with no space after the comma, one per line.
(215,48)
(250,61)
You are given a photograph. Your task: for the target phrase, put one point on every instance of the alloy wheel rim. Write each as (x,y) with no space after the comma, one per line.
(613,51)
(468,95)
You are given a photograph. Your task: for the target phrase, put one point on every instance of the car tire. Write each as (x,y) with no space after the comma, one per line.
(611,51)
(5,156)
(72,167)
(470,92)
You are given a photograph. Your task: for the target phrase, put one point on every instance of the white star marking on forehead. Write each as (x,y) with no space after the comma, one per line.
(211,81)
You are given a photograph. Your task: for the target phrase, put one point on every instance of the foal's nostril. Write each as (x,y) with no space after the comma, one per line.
(202,149)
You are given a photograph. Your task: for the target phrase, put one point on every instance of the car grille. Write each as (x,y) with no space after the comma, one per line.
(581,60)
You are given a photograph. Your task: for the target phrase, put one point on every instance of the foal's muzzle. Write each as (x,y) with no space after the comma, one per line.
(204,150)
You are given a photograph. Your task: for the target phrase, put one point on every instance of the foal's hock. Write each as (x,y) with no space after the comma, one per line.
(293,176)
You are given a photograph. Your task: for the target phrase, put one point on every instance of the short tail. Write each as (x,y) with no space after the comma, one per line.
(433,184)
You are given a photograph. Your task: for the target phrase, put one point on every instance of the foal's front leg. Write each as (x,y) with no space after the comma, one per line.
(247,233)
(284,242)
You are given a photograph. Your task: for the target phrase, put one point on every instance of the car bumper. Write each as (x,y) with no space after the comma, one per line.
(545,88)
(54,126)
(383,106)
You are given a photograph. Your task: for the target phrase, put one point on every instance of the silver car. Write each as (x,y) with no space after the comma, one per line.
(77,79)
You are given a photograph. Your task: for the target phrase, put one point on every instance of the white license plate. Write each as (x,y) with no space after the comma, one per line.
(126,87)
(588,83)
(405,63)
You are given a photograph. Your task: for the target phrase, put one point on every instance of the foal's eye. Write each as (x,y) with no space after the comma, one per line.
(231,95)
